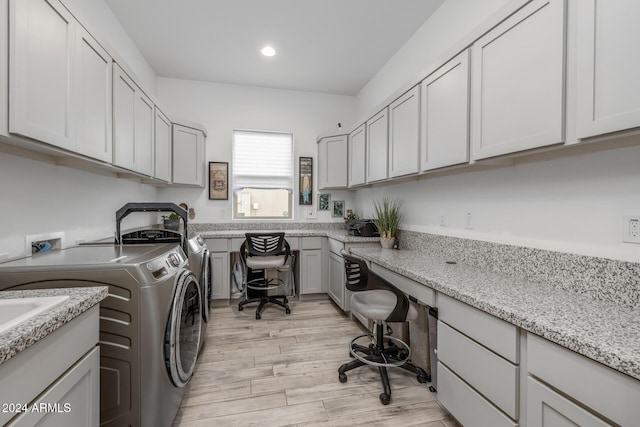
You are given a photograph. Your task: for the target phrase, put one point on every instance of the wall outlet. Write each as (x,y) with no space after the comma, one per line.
(311,213)
(443,220)
(467,221)
(631,229)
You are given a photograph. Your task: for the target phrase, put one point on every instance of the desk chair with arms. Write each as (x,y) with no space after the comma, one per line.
(378,300)
(261,252)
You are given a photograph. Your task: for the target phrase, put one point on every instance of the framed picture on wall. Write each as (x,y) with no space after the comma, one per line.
(218,181)
(306,181)
(323,202)
(338,209)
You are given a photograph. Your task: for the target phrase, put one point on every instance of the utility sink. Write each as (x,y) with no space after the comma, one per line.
(14,311)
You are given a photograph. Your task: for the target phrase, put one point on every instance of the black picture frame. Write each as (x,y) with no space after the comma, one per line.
(218,181)
(305,173)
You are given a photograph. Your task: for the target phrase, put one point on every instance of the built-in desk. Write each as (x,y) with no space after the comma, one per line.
(511,349)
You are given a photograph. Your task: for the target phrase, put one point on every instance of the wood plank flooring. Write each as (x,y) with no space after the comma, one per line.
(283,371)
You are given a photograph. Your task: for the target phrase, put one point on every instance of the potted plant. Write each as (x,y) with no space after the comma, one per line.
(172,221)
(387,219)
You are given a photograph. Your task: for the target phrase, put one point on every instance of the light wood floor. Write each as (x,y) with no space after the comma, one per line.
(283,371)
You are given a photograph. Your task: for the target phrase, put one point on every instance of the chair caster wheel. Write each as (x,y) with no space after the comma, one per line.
(422,379)
(240,308)
(385,398)
(258,316)
(342,378)
(287,311)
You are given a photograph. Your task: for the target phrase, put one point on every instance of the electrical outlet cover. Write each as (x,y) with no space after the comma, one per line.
(631,229)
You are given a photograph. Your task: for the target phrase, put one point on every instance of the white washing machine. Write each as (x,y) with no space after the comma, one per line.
(150,324)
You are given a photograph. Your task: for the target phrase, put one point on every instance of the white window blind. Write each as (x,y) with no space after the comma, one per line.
(262,160)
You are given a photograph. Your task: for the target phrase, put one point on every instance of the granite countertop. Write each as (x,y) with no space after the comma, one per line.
(340,235)
(600,330)
(27,333)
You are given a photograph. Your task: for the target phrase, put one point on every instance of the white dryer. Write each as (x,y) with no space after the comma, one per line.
(150,324)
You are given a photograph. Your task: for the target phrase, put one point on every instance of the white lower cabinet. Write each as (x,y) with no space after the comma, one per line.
(219,267)
(478,365)
(337,290)
(546,408)
(311,266)
(577,383)
(57,378)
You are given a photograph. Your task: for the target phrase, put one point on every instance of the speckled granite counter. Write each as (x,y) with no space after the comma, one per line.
(27,333)
(339,235)
(601,330)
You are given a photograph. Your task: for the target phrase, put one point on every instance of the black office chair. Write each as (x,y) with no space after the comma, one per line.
(378,300)
(261,252)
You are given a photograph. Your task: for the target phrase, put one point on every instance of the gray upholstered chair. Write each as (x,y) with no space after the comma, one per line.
(378,300)
(261,252)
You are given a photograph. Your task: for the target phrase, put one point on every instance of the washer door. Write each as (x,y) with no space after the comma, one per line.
(184,327)
(206,286)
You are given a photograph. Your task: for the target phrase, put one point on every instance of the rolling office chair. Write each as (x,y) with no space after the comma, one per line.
(378,300)
(261,252)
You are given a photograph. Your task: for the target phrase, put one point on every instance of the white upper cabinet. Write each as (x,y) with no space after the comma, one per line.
(518,82)
(357,159)
(163,146)
(377,146)
(332,162)
(404,134)
(444,131)
(93,88)
(608,87)
(133,124)
(42,48)
(188,155)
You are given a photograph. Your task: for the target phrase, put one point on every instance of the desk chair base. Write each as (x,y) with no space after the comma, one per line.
(377,354)
(275,299)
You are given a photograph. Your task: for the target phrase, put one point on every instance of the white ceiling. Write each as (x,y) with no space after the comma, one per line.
(332,46)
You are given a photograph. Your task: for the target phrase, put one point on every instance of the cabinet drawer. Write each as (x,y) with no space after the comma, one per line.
(616,395)
(545,407)
(493,333)
(335,246)
(488,373)
(294,243)
(217,245)
(423,293)
(312,243)
(466,404)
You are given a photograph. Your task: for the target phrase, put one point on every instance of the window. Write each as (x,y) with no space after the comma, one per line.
(262,175)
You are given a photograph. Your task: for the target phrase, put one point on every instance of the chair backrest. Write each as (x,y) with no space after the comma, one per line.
(359,278)
(265,244)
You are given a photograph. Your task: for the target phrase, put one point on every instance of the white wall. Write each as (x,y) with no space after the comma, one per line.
(221,108)
(572,203)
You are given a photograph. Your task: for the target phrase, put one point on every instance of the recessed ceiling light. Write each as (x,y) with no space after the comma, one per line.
(268,51)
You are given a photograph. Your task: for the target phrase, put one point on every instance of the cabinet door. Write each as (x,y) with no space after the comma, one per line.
(162,146)
(124,106)
(42,47)
(608,88)
(404,134)
(336,288)
(94,71)
(518,82)
(444,132)
(377,146)
(188,156)
(76,396)
(311,274)
(219,275)
(546,408)
(144,142)
(332,162)
(357,160)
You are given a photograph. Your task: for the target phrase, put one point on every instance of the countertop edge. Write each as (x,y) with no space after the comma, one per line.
(26,334)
